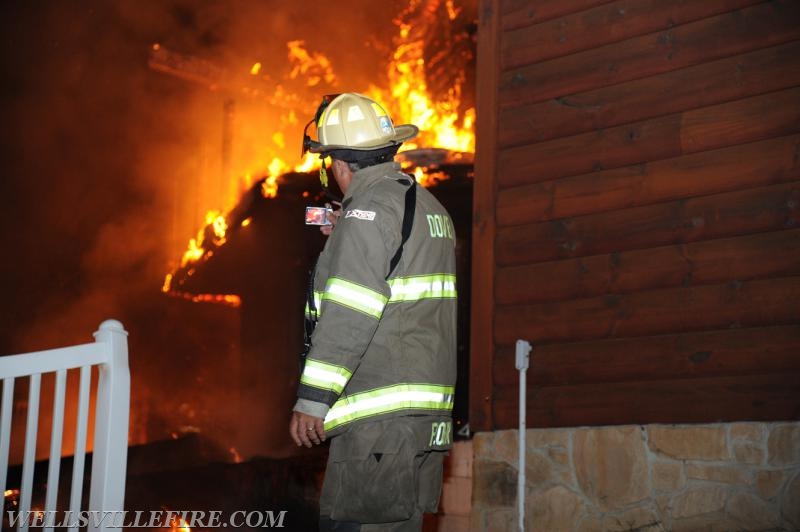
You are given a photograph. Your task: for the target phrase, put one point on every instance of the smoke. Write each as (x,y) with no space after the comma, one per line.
(109,166)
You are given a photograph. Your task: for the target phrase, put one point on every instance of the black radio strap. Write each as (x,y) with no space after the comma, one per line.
(408,223)
(310,318)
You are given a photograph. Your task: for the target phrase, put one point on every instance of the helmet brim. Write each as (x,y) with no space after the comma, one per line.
(402,133)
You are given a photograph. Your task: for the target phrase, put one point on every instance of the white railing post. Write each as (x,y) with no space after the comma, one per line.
(6,410)
(110,454)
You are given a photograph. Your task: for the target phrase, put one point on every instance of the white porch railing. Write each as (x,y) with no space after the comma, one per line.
(109,456)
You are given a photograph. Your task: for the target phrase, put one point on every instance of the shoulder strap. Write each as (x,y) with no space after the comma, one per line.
(408,223)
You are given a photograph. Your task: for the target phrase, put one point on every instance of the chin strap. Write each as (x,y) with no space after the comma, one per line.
(323,179)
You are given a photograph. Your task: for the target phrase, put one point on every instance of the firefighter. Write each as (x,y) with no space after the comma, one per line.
(379,375)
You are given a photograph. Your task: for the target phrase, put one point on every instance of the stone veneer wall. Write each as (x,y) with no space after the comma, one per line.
(716,477)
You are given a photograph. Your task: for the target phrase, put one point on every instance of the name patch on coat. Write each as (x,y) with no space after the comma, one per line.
(361,215)
(441,433)
(440,226)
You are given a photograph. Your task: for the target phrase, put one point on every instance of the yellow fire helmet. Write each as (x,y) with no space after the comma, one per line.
(352,121)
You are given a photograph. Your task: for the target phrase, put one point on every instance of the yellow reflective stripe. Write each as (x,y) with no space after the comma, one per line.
(317,303)
(389,399)
(355,296)
(326,376)
(436,286)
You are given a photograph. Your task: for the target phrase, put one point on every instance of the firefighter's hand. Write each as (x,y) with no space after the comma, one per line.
(333,217)
(306,430)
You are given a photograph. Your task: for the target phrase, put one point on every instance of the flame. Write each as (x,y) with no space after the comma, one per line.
(231,300)
(310,162)
(428,179)
(179,524)
(313,67)
(452,10)
(237,458)
(167,283)
(408,97)
(193,252)
(277,167)
(219,225)
(269,188)
(198,246)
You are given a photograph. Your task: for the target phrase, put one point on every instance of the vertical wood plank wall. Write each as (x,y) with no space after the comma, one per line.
(637,211)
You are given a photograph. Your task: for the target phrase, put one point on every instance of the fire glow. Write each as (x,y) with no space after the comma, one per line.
(442,119)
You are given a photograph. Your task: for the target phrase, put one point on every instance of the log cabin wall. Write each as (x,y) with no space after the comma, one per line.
(637,201)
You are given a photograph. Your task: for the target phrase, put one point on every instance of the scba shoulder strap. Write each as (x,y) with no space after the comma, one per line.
(408,221)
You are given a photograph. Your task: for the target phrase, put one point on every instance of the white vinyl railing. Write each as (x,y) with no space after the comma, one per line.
(110,447)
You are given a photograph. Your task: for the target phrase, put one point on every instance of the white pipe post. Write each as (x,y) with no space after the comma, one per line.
(6,411)
(109,457)
(522,362)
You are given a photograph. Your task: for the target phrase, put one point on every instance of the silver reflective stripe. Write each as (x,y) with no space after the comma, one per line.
(325,376)
(389,399)
(435,286)
(355,296)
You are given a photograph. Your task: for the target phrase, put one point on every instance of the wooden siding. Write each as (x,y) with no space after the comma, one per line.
(637,211)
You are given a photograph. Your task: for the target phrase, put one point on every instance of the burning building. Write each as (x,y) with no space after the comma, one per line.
(135,125)
(200,130)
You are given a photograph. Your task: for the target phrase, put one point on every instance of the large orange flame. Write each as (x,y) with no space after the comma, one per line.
(441,123)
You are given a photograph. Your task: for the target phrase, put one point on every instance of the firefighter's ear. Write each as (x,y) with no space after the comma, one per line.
(342,173)
(339,165)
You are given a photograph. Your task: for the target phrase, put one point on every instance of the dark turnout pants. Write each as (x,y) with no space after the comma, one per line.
(383,475)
